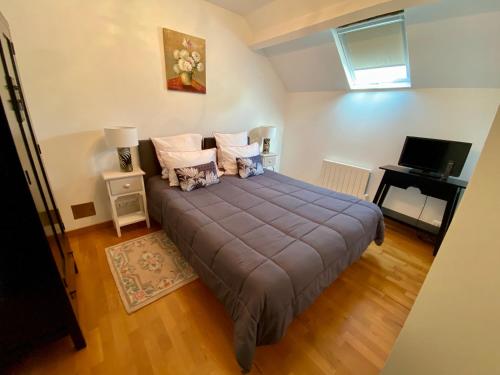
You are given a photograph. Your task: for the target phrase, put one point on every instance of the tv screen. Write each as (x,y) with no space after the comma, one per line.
(433,155)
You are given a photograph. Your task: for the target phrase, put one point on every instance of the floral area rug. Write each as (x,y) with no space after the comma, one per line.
(147,268)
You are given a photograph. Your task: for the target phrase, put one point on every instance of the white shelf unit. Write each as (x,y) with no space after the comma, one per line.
(123,185)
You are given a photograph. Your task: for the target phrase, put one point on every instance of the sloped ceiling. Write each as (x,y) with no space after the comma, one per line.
(242,7)
(454,43)
(309,64)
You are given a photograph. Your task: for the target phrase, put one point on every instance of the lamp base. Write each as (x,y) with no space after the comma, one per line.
(125,158)
(266,146)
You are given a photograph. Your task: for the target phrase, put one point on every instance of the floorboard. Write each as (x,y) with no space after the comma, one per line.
(350,329)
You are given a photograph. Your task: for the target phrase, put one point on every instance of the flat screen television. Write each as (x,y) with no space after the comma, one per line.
(436,157)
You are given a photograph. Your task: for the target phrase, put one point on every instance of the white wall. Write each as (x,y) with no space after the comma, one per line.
(88,64)
(453,328)
(368,129)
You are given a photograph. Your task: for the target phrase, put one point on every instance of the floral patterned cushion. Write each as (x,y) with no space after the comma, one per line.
(251,166)
(191,178)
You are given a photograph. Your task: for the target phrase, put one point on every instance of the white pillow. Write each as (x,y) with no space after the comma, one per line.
(229,139)
(230,153)
(181,159)
(181,142)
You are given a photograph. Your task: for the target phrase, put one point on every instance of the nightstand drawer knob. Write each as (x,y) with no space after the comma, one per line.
(125,185)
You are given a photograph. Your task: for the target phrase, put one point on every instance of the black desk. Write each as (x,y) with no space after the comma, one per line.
(448,190)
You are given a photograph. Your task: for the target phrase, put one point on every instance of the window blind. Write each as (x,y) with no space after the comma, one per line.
(376,47)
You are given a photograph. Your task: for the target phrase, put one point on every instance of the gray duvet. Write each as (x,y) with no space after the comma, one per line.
(266,246)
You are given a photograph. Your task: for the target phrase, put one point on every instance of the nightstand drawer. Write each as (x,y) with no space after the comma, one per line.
(125,185)
(269,161)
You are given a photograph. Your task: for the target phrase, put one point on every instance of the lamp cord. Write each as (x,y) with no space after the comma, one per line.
(419,232)
(421,211)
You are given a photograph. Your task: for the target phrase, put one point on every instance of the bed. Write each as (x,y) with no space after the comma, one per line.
(266,246)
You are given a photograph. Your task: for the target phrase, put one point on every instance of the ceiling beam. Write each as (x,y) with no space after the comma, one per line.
(328,17)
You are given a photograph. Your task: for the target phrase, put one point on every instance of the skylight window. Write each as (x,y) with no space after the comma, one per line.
(374,53)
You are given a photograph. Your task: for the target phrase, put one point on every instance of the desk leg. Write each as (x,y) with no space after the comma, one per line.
(381,192)
(449,211)
(383,195)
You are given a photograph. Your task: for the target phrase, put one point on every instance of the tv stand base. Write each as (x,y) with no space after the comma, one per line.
(448,190)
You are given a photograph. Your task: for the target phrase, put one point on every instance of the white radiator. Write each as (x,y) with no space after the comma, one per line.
(345,178)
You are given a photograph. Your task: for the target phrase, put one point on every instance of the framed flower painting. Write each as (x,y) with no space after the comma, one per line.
(185,61)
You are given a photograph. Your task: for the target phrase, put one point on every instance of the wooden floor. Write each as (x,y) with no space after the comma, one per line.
(350,329)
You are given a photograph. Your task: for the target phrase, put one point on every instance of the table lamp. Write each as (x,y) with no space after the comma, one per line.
(122,137)
(266,133)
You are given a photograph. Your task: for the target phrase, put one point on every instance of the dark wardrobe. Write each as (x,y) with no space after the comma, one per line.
(37,269)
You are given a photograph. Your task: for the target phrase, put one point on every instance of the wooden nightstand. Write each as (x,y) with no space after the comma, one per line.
(127,196)
(269,160)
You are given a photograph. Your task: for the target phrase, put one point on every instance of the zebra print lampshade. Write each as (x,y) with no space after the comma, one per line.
(122,137)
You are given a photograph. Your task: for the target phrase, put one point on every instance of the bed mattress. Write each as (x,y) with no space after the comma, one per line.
(266,246)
